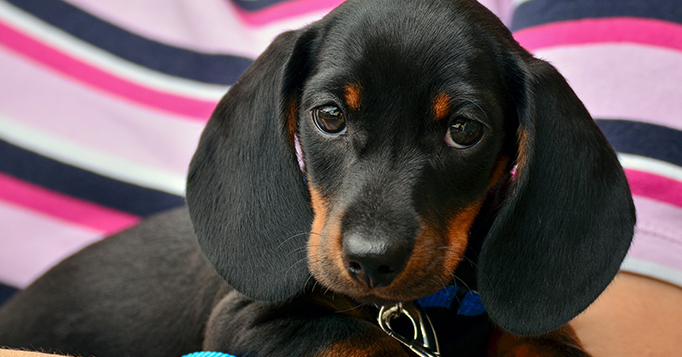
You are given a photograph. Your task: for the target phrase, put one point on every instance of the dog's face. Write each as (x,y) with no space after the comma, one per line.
(402,139)
(407,118)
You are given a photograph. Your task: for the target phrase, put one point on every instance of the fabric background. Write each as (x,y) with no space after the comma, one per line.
(102,103)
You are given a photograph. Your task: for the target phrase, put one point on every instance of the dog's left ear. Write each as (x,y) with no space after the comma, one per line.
(245,192)
(568,220)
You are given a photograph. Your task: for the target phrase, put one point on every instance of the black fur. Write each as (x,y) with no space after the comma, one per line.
(544,244)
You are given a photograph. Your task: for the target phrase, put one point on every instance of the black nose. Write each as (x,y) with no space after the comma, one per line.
(374,261)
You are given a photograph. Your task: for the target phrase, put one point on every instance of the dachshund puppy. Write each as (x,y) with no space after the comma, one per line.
(393,150)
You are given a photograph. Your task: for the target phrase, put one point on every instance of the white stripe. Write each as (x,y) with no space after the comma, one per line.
(653,270)
(650,165)
(91,159)
(106,61)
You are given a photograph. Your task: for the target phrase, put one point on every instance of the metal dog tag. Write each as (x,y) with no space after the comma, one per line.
(424,341)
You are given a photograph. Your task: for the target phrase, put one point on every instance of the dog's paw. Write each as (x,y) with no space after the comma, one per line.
(367,345)
(303,327)
(558,343)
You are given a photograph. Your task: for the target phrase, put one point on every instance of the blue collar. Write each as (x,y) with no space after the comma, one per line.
(208,354)
(470,303)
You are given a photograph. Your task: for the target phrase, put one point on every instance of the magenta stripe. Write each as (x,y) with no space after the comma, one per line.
(285,10)
(95,77)
(655,187)
(63,207)
(655,33)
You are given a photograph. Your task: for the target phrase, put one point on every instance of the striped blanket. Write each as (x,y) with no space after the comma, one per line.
(624,60)
(101,106)
(102,103)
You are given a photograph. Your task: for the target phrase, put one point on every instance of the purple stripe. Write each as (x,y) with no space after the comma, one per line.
(218,69)
(85,185)
(644,139)
(538,12)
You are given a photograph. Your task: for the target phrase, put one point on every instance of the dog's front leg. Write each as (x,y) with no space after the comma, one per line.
(314,326)
(562,342)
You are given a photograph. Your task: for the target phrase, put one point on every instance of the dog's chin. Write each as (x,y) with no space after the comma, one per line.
(380,296)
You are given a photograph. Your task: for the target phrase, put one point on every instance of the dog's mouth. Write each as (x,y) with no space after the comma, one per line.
(384,263)
(384,274)
(416,281)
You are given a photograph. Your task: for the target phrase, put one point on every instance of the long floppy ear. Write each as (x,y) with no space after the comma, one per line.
(562,232)
(247,199)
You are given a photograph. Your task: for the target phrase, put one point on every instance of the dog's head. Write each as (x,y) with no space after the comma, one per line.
(408,117)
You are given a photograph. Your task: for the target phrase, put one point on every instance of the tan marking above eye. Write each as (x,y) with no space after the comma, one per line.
(353,95)
(441,106)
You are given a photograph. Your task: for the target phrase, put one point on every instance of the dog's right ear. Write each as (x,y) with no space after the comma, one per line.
(246,195)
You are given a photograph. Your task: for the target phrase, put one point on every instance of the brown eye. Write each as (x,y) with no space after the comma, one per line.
(464,133)
(329,119)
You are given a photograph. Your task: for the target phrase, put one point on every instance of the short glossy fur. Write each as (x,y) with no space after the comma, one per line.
(384,207)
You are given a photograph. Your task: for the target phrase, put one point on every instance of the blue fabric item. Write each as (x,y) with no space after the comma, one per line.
(470,304)
(208,354)
(175,61)
(442,298)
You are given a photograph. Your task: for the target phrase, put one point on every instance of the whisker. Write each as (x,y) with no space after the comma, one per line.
(359,306)
(290,238)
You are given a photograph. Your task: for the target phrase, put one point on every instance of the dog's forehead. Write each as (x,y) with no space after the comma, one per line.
(409,30)
(418,48)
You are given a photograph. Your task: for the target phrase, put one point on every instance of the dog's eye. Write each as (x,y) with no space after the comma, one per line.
(463,133)
(329,119)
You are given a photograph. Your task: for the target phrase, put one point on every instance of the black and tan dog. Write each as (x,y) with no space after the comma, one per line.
(377,156)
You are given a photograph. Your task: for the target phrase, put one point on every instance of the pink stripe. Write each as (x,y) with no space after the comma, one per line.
(31,244)
(35,97)
(284,10)
(92,76)
(655,187)
(63,207)
(579,32)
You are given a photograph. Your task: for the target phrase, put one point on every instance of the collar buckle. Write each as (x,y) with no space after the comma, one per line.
(424,341)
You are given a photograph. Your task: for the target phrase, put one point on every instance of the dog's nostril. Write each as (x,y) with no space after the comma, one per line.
(354,268)
(385,269)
